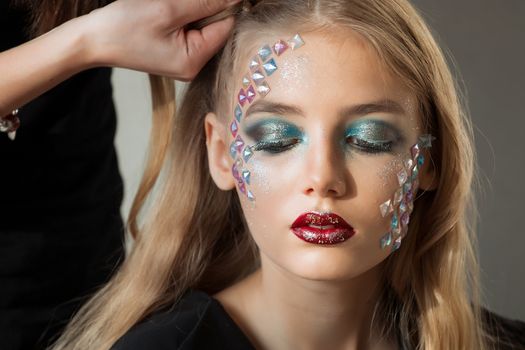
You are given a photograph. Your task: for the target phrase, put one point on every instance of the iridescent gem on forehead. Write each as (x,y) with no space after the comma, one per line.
(386,240)
(239,143)
(238,113)
(246,176)
(280,47)
(246,80)
(426,140)
(247,153)
(258,77)
(250,195)
(386,208)
(265,52)
(402,177)
(263,89)
(254,63)
(242,97)
(234,128)
(250,94)
(415,151)
(270,67)
(296,42)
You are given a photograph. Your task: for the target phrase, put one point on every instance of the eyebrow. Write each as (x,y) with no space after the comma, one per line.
(384,106)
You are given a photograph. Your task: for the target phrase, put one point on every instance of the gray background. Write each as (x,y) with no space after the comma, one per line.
(486,39)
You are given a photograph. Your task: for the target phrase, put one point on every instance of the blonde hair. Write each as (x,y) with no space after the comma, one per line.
(196,236)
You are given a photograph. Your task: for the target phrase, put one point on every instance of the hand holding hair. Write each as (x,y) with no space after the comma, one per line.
(150,36)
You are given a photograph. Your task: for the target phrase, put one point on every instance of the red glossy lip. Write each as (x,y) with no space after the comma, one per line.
(319,228)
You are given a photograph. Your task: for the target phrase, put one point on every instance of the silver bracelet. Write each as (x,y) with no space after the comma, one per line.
(10,124)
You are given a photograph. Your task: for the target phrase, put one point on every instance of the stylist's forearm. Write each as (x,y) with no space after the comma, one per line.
(29,70)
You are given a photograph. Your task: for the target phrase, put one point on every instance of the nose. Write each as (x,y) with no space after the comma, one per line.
(325,170)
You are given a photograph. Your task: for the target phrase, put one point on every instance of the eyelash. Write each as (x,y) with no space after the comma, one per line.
(369,147)
(275,147)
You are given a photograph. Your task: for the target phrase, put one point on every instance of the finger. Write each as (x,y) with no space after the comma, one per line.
(193,10)
(204,43)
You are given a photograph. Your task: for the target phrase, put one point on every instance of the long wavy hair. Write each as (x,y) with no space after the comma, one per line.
(193,235)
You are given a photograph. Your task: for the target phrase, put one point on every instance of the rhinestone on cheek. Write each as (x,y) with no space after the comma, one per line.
(386,240)
(246,176)
(234,128)
(402,177)
(385,208)
(238,113)
(405,219)
(247,153)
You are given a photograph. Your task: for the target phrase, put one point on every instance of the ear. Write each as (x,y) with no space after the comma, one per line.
(428,175)
(219,161)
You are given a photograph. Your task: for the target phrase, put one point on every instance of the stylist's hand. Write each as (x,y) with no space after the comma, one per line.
(149,35)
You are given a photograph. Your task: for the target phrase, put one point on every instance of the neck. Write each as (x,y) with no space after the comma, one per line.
(278,310)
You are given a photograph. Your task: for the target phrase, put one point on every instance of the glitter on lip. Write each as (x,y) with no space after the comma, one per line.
(323,229)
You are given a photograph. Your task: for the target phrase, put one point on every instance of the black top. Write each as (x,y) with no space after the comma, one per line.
(61,232)
(199,321)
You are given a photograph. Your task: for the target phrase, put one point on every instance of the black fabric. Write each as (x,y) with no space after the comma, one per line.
(198,321)
(61,233)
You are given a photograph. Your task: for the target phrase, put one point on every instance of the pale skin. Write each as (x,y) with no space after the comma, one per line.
(308,296)
(142,35)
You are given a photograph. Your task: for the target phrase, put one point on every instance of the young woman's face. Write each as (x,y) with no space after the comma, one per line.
(316,156)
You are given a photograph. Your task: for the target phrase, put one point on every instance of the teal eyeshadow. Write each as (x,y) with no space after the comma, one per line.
(373,131)
(273,129)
